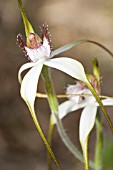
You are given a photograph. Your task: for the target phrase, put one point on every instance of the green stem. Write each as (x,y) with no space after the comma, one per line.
(54,108)
(42,95)
(86,160)
(99,142)
(51,127)
(101,105)
(42,135)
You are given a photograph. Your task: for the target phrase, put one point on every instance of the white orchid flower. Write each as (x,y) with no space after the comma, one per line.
(40,53)
(84,100)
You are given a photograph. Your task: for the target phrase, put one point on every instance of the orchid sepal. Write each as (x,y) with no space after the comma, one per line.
(101,105)
(87,121)
(23,68)
(28,27)
(79,42)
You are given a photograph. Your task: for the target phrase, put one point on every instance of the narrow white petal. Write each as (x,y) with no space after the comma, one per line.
(87,122)
(28,65)
(67,47)
(107,102)
(29,84)
(67,107)
(24,67)
(69,66)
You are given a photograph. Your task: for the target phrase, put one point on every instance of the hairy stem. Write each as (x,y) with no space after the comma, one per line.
(54,109)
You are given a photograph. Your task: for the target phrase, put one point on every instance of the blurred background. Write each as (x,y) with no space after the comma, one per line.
(20,145)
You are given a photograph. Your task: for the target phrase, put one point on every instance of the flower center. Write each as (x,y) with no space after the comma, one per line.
(36,49)
(77,91)
(33,41)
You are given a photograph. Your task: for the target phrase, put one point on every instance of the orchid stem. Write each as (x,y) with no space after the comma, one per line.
(99,142)
(42,95)
(101,105)
(42,136)
(54,109)
(86,159)
(50,133)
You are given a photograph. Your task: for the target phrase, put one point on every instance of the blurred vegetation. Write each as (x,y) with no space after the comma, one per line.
(108,155)
(20,145)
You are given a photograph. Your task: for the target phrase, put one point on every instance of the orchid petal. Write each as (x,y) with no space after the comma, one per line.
(76,70)
(74,44)
(107,102)
(23,68)
(69,66)
(69,106)
(67,47)
(100,104)
(87,121)
(29,85)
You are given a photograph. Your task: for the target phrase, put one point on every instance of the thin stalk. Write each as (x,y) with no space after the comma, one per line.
(99,142)
(100,45)
(80,42)
(99,131)
(42,136)
(54,108)
(101,105)
(42,95)
(50,133)
(86,161)
(85,154)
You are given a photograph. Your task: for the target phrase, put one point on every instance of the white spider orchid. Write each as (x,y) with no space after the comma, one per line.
(84,100)
(40,53)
